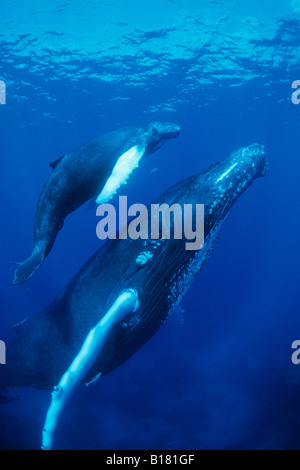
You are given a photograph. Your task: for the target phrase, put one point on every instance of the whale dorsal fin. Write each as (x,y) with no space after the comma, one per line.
(18,327)
(55,163)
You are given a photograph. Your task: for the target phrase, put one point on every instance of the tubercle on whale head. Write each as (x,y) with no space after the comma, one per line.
(156,133)
(252,158)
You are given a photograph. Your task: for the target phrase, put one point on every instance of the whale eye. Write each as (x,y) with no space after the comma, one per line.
(154,130)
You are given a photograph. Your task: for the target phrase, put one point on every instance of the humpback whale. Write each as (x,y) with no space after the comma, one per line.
(115,303)
(95,170)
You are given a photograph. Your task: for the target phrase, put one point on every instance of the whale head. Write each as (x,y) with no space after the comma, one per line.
(156,133)
(225,181)
(234,174)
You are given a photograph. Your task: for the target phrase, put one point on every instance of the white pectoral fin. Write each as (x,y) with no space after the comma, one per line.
(126,303)
(125,165)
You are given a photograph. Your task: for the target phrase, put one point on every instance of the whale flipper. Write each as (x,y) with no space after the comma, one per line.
(126,303)
(27,269)
(125,165)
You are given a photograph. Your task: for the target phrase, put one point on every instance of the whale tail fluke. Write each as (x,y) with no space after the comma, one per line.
(27,269)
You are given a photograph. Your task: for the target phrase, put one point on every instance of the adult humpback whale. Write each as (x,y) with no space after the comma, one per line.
(123,294)
(98,168)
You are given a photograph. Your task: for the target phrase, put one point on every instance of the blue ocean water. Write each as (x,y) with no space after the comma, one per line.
(219,374)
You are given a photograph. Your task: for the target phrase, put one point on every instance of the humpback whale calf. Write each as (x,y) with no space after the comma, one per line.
(94,170)
(116,303)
